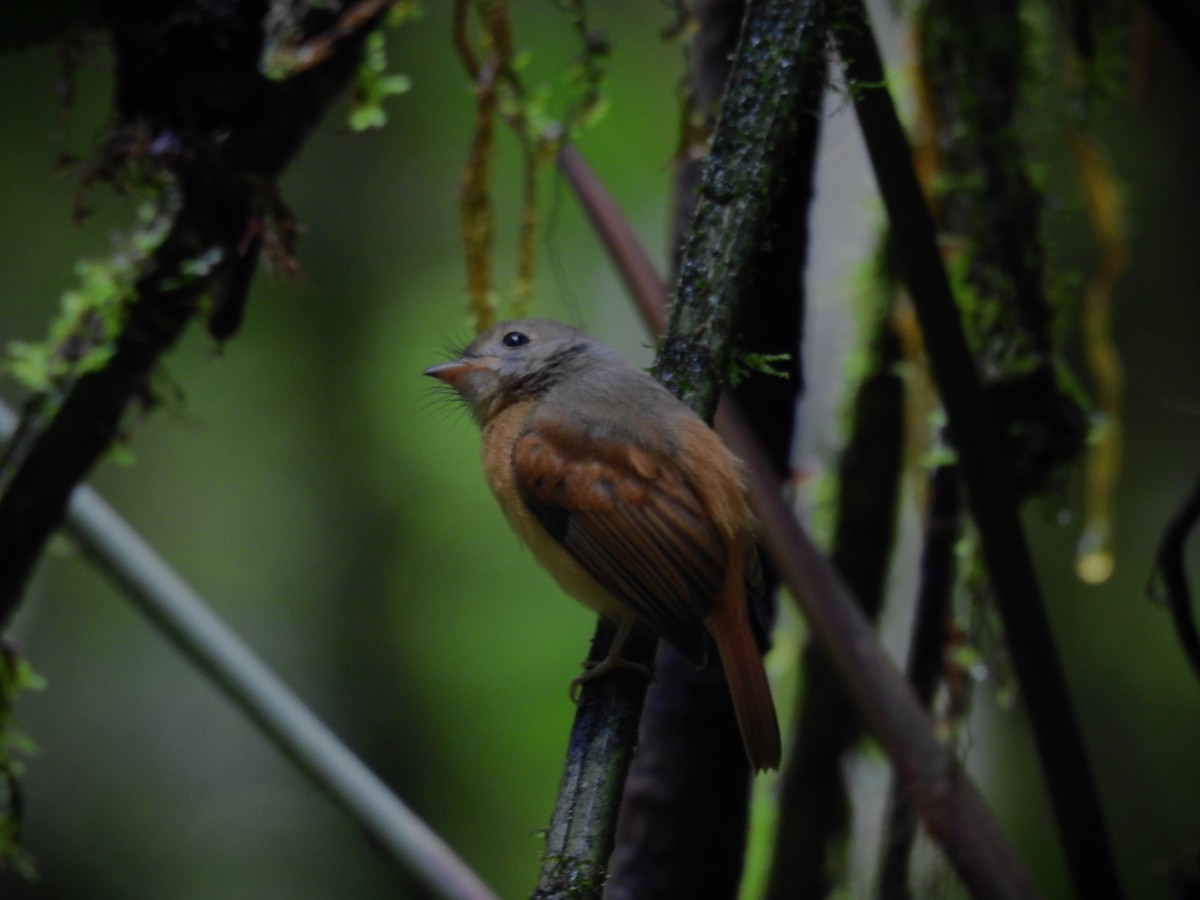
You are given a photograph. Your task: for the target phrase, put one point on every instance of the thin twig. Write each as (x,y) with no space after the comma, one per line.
(637,270)
(814,815)
(953,810)
(924,665)
(984,470)
(183,617)
(1172,570)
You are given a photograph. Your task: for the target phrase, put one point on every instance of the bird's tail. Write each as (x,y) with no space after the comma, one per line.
(729,623)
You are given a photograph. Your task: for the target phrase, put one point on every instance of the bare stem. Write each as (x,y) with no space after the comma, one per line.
(175,609)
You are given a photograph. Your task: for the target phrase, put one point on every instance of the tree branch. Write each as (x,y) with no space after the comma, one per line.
(601,747)
(984,471)
(742,176)
(197,119)
(814,807)
(183,617)
(952,809)
(1173,571)
(925,664)
(683,828)
(742,180)
(929,774)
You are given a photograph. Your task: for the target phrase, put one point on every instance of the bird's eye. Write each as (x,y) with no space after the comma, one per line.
(515,339)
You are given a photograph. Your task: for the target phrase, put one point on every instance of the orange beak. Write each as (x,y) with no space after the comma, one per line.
(454,371)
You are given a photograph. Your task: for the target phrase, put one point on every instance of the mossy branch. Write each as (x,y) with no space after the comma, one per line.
(685,816)
(984,470)
(742,178)
(209,165)
(580,839)
(495,70)
(950,806)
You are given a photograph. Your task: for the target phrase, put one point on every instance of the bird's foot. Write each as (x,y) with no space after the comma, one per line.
(595,668)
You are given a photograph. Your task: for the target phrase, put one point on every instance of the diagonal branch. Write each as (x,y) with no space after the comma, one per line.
(185,619)
(198,120)
(952,809)
(684,818)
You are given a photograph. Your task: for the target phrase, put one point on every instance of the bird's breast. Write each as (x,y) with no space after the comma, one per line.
(499,436)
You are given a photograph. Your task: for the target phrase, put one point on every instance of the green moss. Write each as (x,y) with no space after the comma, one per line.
(16,676)
(82,337)
(743,364)
(373,84)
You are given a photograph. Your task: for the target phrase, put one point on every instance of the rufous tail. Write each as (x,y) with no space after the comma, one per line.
(730,625)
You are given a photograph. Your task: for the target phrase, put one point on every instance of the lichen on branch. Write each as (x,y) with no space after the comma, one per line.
(206,133)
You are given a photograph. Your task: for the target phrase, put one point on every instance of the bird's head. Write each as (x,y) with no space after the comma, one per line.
(519,360)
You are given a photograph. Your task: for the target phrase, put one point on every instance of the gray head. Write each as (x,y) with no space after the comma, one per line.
(520,360)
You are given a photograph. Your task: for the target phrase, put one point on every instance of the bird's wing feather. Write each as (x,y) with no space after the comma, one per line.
(631,519)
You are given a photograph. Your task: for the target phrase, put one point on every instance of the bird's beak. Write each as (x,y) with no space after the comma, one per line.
(453,372)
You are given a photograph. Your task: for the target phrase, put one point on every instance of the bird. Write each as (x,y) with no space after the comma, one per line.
(627,498)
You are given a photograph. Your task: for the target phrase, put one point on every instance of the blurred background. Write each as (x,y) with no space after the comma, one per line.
(329,504)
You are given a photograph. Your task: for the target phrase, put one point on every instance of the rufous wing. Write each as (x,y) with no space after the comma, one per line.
(631,521)
(631,518)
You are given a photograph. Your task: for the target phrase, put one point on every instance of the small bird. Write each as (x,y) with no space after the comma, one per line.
(625,496)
